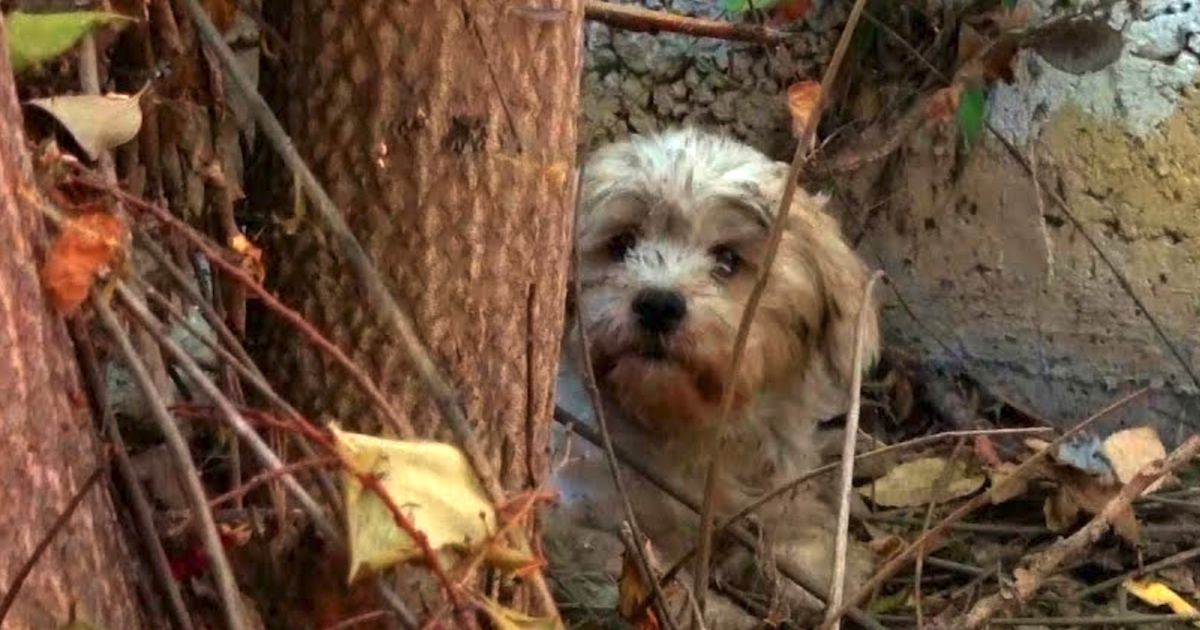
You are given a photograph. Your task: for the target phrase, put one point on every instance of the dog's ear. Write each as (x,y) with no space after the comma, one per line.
(839,279)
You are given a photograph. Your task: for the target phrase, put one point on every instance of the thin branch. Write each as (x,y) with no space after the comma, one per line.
(799,159)
(741,535)
(1027,580)
(227,587)
(841,546)
(143,514)
(925,542)
(634,18)
(271,475)
(1165,563)
(10,596)
(589,379)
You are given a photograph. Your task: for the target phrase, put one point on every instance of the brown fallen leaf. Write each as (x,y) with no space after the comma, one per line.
(632,591)
(222,13)
(1090,494)
(87,245)
(943,105)
(802,100)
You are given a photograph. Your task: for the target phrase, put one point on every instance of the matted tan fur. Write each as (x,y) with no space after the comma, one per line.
(672,232)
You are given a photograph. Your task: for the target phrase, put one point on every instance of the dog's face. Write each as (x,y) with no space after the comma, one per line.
(672,234)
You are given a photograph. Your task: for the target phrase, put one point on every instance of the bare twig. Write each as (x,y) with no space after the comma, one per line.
(803,148)
(1165,563)
(1028,579)
(271,475)
(143,514)
(230,596)
(59,523)
(634,18)
(837,587)
(925,542)
(939,486)
(606,443)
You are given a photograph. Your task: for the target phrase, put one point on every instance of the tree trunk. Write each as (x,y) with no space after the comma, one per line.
(445,131)
(46,441)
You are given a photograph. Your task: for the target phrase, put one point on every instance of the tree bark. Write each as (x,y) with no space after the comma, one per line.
(46,431)
(446,132)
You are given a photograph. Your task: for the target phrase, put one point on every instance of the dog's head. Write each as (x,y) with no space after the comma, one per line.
(672,233)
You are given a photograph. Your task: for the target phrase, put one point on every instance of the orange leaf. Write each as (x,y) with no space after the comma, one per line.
(252,257)
(802,100)
(631,592)
(943,105)
(85,247)
(789,11)
(222,13)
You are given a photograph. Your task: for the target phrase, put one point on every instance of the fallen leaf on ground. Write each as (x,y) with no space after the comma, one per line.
(912,483)
(1090,494)
(1005,486)
(1159,594)
(86,246)
(632,591)
(1133,449)
(943,105)
(432,482)
(509,619)
(802,100)
(96,122)
(34,38)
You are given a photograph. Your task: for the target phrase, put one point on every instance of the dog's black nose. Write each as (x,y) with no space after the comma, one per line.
(659,310)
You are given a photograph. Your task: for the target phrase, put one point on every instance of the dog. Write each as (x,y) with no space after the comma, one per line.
(672,232)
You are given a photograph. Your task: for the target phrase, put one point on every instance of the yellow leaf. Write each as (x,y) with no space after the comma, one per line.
(912,483)
(1159,594)
(1133,449)
(432,483)
(509,619)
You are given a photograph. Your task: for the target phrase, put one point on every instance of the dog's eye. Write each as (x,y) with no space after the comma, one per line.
(728,261)
(619,245)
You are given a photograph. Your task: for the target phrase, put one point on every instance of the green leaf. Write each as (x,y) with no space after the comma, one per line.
(742,6)
(971,106)
(37,37)
(1010,4)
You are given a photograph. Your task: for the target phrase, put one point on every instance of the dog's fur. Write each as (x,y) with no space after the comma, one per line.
(664,211)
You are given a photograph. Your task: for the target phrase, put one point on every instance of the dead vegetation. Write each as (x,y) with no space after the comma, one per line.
(979,513)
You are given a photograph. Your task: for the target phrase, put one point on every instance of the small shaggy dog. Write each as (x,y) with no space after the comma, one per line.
(672,233)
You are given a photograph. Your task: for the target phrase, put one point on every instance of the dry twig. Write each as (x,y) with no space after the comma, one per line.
(837,587)
(1028,579)
(925,542)
(634,18)
(803,148)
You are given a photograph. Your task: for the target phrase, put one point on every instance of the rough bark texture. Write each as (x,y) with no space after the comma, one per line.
(46,436)
(446,133)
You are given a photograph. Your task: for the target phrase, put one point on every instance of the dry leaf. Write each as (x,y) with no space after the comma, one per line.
(1133,449)
(222,13)
(1006,487)
(432,482)
(86,246)
(887,547)
(252,257)
(509,619)
(1060,510)
(632,591)
(943,105)
(1159,594)
(96,122)
(912,483)
(802,101)
(1091,494)
(789,11)
(970,44)
(985,450)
